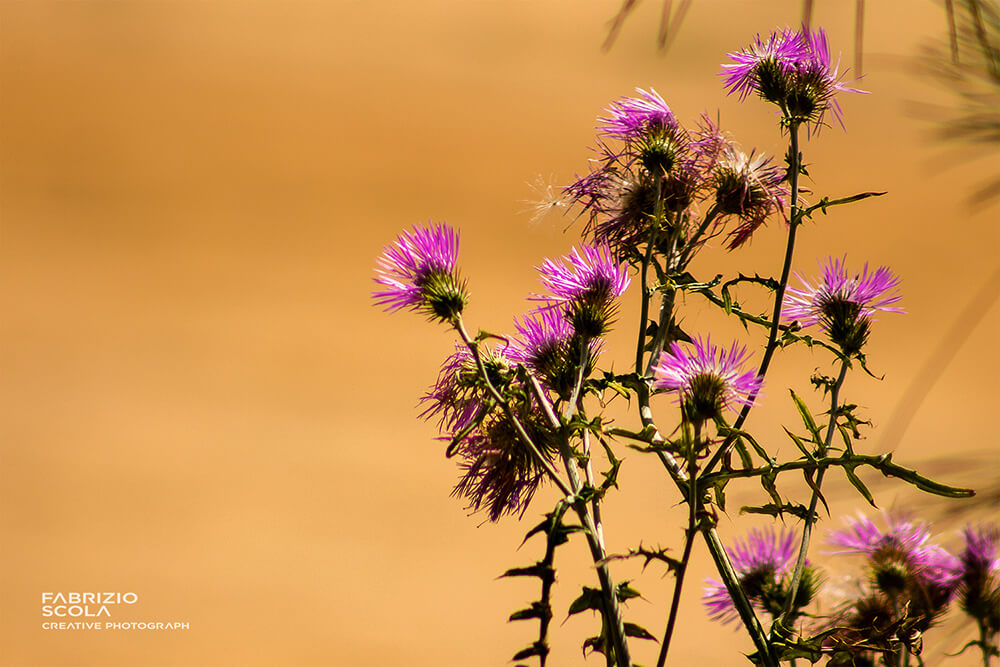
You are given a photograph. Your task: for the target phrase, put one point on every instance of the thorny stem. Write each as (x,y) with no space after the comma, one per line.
(508,412)
(644,275)
(779,293)
(692,530)
(593,530)
(807,525)
(715,548)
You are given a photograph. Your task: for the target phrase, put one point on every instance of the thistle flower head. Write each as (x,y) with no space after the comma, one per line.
(749,187)
(584,286)
(459,394)
(499,472)
(764,563)
(648,128)
(904,566)
(791,69)
(547,346)
(979,587)
(843,305)
(419,273)
(707,379)
(630,118)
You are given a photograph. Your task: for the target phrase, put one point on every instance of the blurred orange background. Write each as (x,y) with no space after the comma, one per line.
(200,404)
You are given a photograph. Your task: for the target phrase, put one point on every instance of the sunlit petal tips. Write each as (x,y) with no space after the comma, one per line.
(762,563)
(791,69)
(419,273)
(843,304)
(584,286)
(707,379)
(632,117)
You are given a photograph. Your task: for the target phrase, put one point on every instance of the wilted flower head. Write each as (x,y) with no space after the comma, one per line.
(979,587)
(499,472)
(791,69)
(460,394)
(419,273)
(707,379)
(584,286)
(764,563)
(749,187)
(841,304)
(906,570)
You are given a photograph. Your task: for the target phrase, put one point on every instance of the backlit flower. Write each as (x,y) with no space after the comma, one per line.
(419,273)
(791,69)
(842,304)
(584,286)
(707,379)
(749,187)
(764,564)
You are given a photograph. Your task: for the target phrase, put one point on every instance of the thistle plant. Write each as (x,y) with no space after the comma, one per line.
(523,412)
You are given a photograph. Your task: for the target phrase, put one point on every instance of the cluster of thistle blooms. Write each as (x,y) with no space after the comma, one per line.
(656,194)
(908,585)
(557,343)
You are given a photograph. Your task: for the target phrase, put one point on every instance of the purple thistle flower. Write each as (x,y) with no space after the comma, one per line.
(584,286)
(762,563)
(547,346)
(499,473)
(419,272)
(780,51)
(903,550)
(707,379)
(842,305)
(631,118)
(749,187)
(792,69)
(979,587)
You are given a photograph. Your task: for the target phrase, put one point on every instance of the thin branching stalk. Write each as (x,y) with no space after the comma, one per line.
(983,643)
(692,530)
(807,524)
(644,275)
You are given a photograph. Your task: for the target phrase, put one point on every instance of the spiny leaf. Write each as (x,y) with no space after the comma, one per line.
(536,610)
(859,485)
(589,599)
(540,570)
(807,418)
(776,510)
(826,202)
(626,592)
(538,648)
(637,631)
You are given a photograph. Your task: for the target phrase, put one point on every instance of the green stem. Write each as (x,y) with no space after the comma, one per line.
(807,525)
(612,610)
(692,530)
(644,273)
